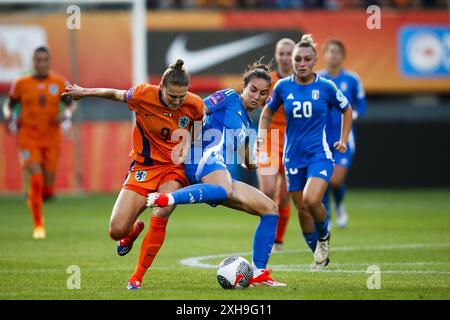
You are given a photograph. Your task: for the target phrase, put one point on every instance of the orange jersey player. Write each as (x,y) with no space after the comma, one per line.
(157,158)
(39,129)
(152,143)
(271,176)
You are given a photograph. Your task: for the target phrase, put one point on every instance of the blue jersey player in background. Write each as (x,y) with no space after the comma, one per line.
(226,128)
(351,86)
(307,157)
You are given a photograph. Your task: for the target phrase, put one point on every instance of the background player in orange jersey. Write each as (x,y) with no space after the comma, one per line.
(271,176)
(38,128)
(160,110)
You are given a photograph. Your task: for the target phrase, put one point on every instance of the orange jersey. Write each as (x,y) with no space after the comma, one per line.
(279,118)
(40,102)
(155,123)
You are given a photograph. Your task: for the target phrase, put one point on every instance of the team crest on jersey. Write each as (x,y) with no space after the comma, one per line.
(140,175)
(53,89)
(315,94)
(344,86)
(183,122)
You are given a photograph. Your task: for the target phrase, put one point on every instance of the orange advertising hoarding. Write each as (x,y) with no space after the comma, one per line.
(99,54)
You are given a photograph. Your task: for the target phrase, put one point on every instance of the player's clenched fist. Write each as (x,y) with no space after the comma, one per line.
(340,146)
(74,91)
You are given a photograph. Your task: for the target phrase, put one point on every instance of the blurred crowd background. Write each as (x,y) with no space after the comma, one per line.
(404,66)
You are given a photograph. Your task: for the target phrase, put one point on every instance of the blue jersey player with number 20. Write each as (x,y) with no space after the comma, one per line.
(307,100)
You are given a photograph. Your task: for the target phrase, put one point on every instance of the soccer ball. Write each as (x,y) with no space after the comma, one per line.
(234,273)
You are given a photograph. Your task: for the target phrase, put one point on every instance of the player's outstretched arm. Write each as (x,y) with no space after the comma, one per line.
(250,162)
(77,92)
(341,145)
(264,122)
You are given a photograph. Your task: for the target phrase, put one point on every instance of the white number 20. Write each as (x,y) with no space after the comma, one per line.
(302,110)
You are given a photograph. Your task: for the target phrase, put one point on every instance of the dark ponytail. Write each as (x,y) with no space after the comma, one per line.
(176,75)
(257,70)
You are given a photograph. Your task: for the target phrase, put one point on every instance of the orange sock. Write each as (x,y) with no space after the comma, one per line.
(151,244)
(35,198)
(48,192)
(283,220)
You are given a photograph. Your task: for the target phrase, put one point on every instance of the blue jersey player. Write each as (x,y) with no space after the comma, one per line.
(307,157)
(351,86)
(226,129)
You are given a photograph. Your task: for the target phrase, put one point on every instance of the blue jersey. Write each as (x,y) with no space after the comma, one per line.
(227,122)
(306,108)
(351,86)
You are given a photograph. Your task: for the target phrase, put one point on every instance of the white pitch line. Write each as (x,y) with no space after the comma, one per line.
(197,262)
(365,271)
(82,269)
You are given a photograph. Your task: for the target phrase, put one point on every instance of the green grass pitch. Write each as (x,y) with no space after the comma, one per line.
(406,234)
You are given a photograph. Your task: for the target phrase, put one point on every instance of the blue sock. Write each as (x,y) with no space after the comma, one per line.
(339,195)
(311,239)
(263,240)
(322,229)
(200,193)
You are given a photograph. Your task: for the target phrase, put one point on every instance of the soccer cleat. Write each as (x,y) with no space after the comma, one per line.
(320,266)
(341,217)
(156,199)
(39,233)
(134,283)
(126,244)
(321,259)
(264,279)
(277,247)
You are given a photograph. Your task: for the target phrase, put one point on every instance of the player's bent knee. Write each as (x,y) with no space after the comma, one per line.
(269,207)
(312,202)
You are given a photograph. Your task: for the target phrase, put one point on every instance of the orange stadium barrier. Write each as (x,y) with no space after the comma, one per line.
(100,165)
(103,44)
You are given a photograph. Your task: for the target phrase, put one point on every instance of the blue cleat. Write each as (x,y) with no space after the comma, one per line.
(126,244)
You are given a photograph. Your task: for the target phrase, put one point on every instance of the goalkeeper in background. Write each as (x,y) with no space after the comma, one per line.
(38,129)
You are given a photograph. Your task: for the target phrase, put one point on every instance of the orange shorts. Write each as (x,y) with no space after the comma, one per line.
(144,179)
(32,152)
(270,155)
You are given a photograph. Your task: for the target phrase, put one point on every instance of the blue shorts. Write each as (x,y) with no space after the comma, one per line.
(344,159)
(209,162)
(296,177)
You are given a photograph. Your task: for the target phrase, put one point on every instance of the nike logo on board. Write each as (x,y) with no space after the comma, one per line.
(202,59)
